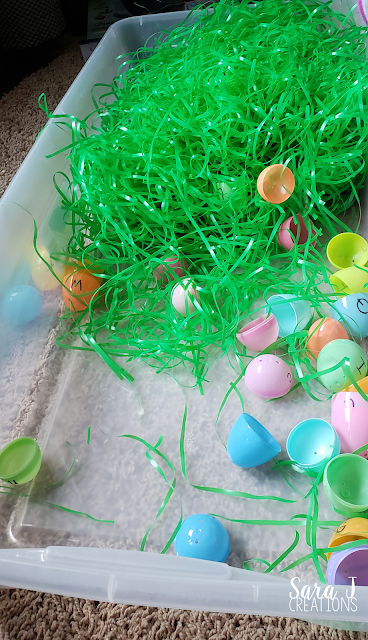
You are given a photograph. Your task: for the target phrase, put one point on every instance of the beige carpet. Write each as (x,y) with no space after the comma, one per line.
(25,615)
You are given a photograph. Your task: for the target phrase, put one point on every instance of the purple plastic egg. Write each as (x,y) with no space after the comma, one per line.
(342,565)
(268,376)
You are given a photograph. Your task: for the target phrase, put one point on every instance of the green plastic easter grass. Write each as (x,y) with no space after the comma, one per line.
(272,83)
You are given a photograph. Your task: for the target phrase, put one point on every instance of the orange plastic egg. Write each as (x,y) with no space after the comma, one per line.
(80,286)
(322,332)
(276,183)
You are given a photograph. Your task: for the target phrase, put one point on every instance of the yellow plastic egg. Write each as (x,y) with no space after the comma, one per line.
(41,274)
(348,531)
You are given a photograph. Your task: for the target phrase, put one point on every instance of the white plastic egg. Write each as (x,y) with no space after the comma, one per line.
(180,299)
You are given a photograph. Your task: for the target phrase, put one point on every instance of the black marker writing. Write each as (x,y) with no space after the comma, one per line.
(362,303)
(362,365)
(76,283)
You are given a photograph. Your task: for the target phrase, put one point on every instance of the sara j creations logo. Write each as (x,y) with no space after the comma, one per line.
(321,598)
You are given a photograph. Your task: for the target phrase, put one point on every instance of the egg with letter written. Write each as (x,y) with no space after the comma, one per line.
(80,286)
(349,417)
(352,311)
(350,354)
(268,376)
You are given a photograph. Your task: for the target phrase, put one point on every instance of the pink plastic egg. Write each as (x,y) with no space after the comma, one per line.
(177,265)
(349,418)
(268,376)
(260,333)
(287,240)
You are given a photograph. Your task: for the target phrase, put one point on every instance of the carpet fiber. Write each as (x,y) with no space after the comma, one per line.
(25,615)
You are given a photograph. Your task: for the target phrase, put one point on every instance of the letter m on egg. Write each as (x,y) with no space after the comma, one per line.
(76,283)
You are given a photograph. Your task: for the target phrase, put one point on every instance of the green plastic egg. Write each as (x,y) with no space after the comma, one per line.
(331,354)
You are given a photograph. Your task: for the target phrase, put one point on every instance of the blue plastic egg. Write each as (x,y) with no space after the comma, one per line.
(312,443)
(353,311)
(21,304)
(249,444)
(203,537)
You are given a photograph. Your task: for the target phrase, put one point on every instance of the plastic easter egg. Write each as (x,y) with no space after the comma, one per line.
(203,537)
(80,287)
(352,311)
(41,274)
(224,190)
(289,231)
(363,10)
(181,297)
(249,444)
(345,481)
(20,461)
(276,183)
(331,354)
(347,249)
(362,384)
(260,333)
(268,376)
(350,280)
(21,304)
(56,221)
(342,565)
(321,333)
(175,264)
(350,530)
(312,443)
(349,418)
(292,314)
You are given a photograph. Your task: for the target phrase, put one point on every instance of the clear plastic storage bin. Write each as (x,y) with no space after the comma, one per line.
(56,395)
